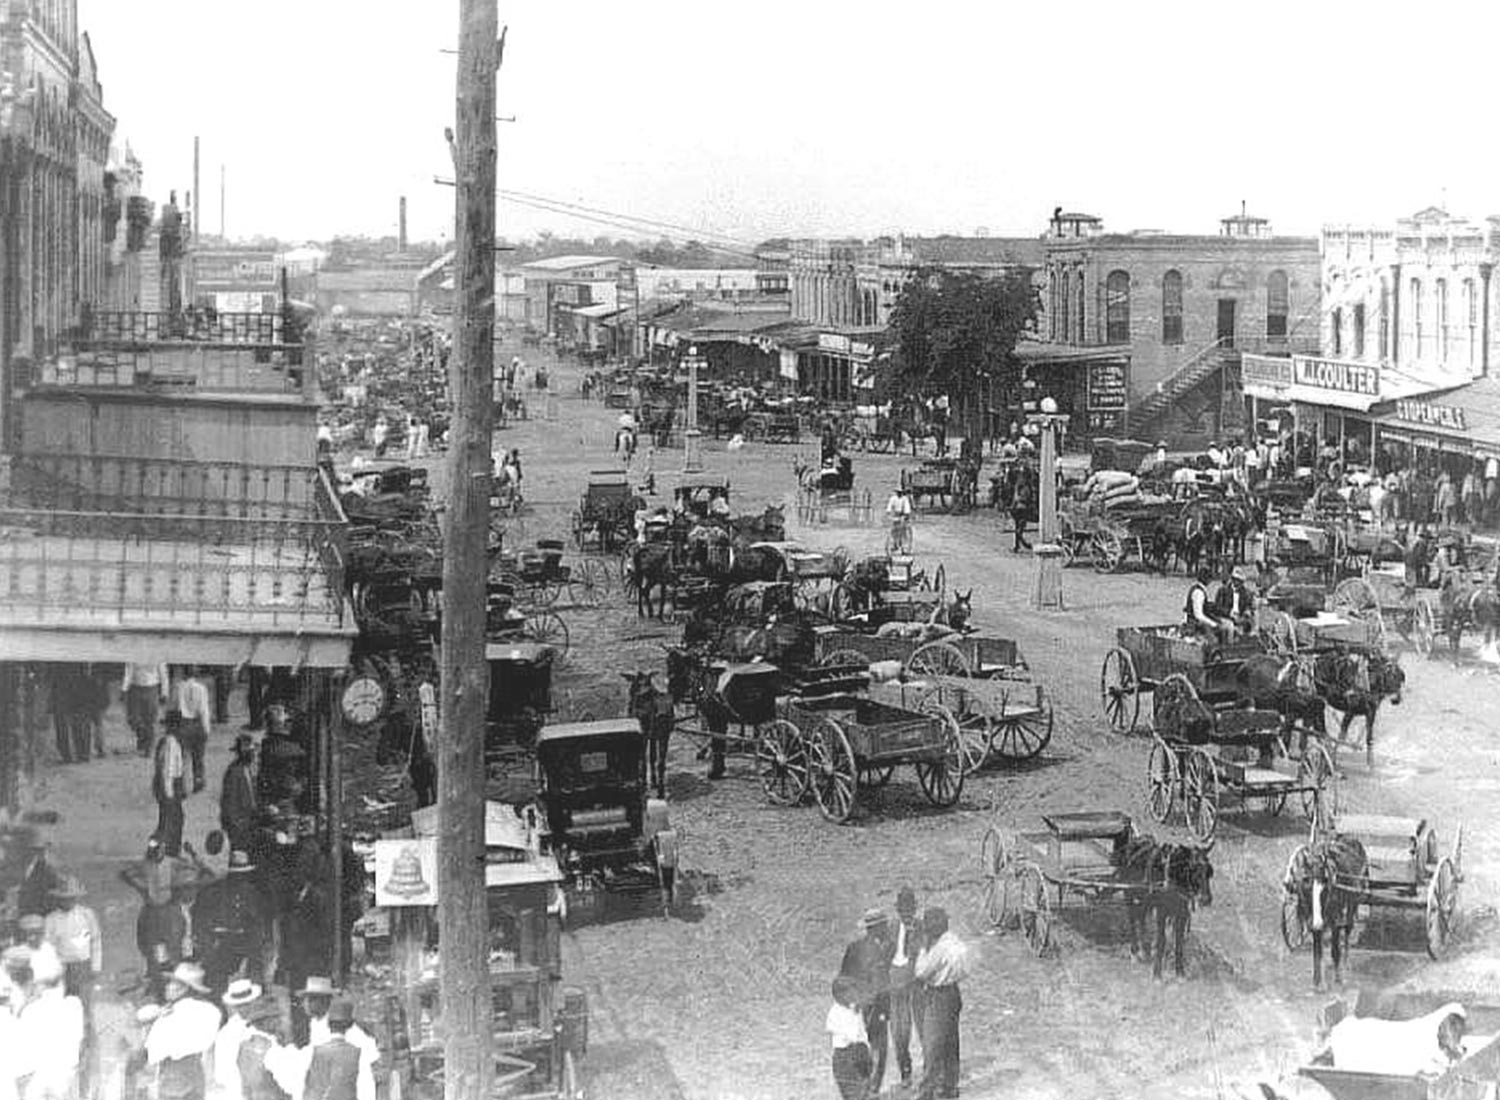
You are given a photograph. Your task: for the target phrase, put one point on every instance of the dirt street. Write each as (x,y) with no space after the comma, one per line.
(726,1001)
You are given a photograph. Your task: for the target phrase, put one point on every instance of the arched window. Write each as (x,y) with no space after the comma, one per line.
(1052,292)
(1063,321)
(1278,304)
(1440,307)
(1471,321)
(1171,308)
(1083,332)
(1117,308)
(1416,318)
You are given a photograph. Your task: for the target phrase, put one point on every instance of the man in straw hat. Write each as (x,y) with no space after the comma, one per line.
(181,1035)
(241,1000)
(310,1006)
(73,929)
(40,951)
(52,1031)
(868,961)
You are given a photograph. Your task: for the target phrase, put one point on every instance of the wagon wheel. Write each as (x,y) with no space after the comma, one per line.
(997,866)
(938,659)
(589,583)
(1108,551)
(1319,786)
(1021,736)
(781,760)
(1424,626)
(1162,780)
(1442,904)
(1293,927)
(1036,908)
(1457,858)
(1120,690)
(544,591)
(1200,794)
(841,657)
(974,730)
(876,776)
(832,770)
(548,628)
(1283,634)
(942,780)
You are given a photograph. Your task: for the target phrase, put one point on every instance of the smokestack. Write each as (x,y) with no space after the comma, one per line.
(401,228)
(197,191)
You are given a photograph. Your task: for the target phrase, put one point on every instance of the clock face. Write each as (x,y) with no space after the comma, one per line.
(363,700)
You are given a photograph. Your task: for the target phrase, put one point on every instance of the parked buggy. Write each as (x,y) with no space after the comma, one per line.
(940,482)
(605,517)
(539,576)
(696,498)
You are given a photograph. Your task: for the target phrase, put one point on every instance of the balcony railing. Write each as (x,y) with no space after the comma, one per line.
(168,543)
(114,327)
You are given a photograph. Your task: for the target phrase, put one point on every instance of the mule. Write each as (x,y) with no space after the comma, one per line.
(1355,683)
(956,615)
(652,707)
(1171,880)
(1327,878)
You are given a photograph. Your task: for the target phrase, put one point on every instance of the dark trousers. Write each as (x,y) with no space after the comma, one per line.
(1019,519)
(194,741)
(877,1016)
(169,825)
(903,1022)
(255,696)
(223,685)
(74,729)
(140,713)
(940,1042)
(851,1070)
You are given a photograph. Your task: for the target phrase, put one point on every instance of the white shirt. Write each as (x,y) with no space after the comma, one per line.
(1492,469)
(846,1026)
(898,505)
(227,1056)
(51,1031)
(145,676)
(75,934)
(193,701)
(946,962)
(319,1033)
(186,1027)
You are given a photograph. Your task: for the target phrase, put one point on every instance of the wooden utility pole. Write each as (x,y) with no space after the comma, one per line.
(462,920)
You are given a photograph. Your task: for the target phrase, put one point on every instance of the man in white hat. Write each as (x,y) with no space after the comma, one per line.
(181,1034)
(51,1028)
(240,999)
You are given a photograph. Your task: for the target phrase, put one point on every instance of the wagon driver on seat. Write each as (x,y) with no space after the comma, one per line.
(1235,604)
(1197,622)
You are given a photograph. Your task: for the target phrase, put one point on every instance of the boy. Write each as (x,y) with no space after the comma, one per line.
(851,1047)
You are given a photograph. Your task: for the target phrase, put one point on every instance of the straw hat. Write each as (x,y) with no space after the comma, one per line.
(189,974)
(239,863)
(241,991)
(873,918)
(317,986)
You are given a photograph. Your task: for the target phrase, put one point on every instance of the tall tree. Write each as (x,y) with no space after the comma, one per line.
(956,332)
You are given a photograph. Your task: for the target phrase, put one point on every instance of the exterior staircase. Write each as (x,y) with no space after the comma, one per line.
(1147,412)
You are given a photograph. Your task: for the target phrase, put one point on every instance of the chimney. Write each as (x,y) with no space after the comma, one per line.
(401,228)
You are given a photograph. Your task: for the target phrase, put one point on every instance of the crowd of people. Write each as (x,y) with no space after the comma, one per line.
(900,979)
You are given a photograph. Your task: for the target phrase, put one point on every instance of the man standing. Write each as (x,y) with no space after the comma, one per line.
(73,929)
(941,966)
(145,689)
(1020,509)
(336,1071)
(283,760)
(40,879)
(868,961)
(169,786)
(52,1030)
(904,1014)
(195,704)
(239,1001)
(181,1035)
(238,804)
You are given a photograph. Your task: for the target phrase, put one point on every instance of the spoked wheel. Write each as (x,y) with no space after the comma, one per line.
(997,867)
(1162,780)
(1319,786)
(938,659)
(976,735)
(1108,551)
(1424,627)
(589,583)
(548,628)
(942,780)
(1200,790)
(1120,690)
(1442,905)
(1021,734)
(544,592)
(832,769)
(1036,908)
(1293,927)
(876,776)
(781,760)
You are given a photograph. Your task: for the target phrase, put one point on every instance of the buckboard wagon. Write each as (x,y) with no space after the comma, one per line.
(1205,742)
(1406,871)
(1475,1076)
(1076,853)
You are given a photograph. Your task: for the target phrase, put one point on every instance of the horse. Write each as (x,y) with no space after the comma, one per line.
(957,614)
(1173,879)
(769,525)
(1287,685)
(1469,606)
(625,444)
(1327,878)
(651,567)
(653,708)
(1355,682)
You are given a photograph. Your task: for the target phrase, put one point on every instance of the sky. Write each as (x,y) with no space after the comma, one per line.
(815,118)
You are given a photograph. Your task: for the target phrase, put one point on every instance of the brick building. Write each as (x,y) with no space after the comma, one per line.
(1143,331)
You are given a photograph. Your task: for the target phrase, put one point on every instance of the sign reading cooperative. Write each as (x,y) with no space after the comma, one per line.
(1429,415)
(1336,375)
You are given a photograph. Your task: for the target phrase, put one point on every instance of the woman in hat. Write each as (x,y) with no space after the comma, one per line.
(181,1034)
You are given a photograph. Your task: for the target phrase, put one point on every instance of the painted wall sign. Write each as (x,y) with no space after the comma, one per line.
(1107,387)
(1265,371)
(1428,414)
(1336,375)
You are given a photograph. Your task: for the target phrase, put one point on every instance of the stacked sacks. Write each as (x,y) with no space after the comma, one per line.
(1110,488)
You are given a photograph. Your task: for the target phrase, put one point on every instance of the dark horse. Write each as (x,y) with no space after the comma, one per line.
(653,708)
(1169,880)
(1327,878)
(651,568)
(1355,681)
(1469,606)
(1287,685)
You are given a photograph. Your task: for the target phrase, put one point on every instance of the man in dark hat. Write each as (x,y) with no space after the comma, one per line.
(40,879)
(907,943)
(868,961)
(334,1073)
(238,802)
(283,758)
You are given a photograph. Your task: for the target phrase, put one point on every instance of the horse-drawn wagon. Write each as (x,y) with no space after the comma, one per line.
(1208,740)
(1097,856)
(605,517)
(937,481)
(539,576)
(1109,538)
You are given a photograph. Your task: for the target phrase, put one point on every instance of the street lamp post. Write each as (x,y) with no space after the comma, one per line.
(1048,591)
(692,441)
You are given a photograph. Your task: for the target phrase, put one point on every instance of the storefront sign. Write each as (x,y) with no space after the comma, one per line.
(1265,372)
(1107,386)
(1336,375)
(1106,421)
(406,872)
(1427,414)
(833,341)
(861,351)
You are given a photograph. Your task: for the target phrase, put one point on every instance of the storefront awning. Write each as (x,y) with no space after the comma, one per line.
(1466,417)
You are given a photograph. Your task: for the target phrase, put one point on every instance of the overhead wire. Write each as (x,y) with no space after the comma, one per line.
(694,233)
(615,223)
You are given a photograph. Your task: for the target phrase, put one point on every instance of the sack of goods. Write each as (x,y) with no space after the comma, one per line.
(1112,500)
(1100,481)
